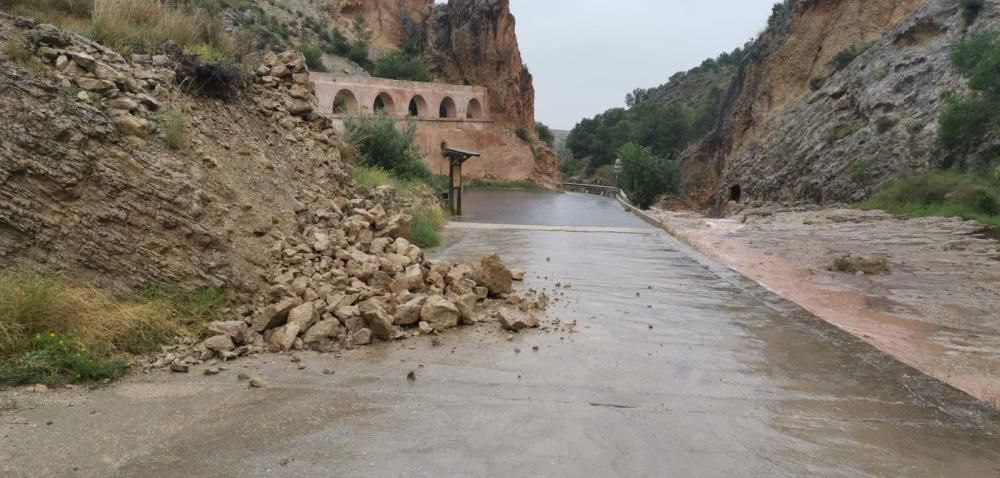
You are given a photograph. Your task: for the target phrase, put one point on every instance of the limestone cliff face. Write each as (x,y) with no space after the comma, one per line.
(391,22)
(473,42)
(794,128)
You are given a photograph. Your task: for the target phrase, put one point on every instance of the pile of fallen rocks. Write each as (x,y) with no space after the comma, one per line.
(284,93)
(351,278)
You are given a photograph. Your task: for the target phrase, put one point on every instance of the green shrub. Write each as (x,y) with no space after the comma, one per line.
(358,53)
(996,174)
(859,171)
(398,65)
(314,57)
(846,56)
(522,134)
(17,52)
(967,121)
(886,123)
(425,227)
(54,359)
(942,193)
(645,176)
(545,134)
(382,144)
(341,45)
(359,50)
(971,9)
(207,53)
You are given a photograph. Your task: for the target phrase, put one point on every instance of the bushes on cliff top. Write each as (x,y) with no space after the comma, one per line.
(382,144)
(400,65)
(313,56)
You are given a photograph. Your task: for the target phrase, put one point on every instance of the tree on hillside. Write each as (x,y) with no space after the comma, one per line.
(967,121)
(646,176)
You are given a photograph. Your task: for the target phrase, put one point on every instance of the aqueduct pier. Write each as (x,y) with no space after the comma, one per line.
(452,115)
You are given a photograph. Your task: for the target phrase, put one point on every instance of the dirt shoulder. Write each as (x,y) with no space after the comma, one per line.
(938,310)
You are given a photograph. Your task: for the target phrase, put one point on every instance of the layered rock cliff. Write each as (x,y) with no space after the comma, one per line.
(473,42)
(796,127)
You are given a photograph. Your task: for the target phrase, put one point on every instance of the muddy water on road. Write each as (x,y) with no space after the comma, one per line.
(677,367)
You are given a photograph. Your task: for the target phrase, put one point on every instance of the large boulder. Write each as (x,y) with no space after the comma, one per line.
(412,280)
(409,313)
(274,315)
(466,304)
(512,319)
(283,338)
(379,321)
(236,330)
(324,330)
(494,275)
(303,316)
(219,343)
(439,313)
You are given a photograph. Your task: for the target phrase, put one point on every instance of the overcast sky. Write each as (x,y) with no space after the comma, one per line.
(586,55)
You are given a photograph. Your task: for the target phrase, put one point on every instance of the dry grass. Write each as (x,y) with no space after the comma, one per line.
(37,302)
(52,329)
(136,25)
(873,266)
(150,24)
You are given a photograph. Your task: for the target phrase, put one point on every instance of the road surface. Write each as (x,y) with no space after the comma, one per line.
(677,367)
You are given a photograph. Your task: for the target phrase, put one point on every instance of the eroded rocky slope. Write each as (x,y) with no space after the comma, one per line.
(125,174)
(795,128)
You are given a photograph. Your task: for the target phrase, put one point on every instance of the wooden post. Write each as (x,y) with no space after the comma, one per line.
(455,159)
(455,192)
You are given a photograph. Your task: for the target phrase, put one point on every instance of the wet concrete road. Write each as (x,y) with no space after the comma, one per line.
(678,367)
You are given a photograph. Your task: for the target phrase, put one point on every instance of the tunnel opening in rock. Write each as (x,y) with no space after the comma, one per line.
(735,193)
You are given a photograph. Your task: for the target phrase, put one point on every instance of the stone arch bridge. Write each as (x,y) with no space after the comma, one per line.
(446,115)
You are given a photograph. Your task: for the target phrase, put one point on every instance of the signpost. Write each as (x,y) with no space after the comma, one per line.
(455,159)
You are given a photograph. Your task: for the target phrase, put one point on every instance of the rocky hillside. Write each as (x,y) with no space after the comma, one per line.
(835,99)
(163,170)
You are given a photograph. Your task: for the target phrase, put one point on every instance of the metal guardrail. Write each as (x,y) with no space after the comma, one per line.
(609,191)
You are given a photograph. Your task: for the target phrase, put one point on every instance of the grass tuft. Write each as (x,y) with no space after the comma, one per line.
(173,127)
(426,226)
(868,265)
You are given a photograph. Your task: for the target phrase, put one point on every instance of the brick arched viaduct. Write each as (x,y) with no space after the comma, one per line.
(452,115)
(340,95)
